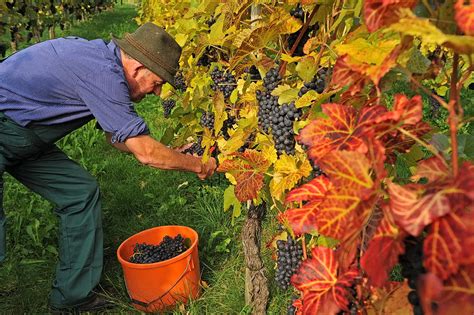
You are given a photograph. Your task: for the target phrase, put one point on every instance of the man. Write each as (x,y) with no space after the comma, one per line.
(54,87)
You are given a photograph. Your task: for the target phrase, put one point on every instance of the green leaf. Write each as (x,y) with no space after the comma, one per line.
(168,136)
(231,200)
(307,68)
(234,96)
(285,93)
(417,63)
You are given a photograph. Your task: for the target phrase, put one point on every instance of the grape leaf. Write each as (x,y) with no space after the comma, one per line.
(382,252)
(443,246)
(415,206)
(413,26)
(288,170)
(464,15)
(349,169)
(324,290)
(379,13)
(408,111)
(342,211)
(315,190)
(399,142)
(231,201)
(247,169)
(433,169)
(457,296)
(344,75)
(344,129)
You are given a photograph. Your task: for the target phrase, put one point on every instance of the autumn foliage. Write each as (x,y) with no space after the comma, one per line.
(353,132)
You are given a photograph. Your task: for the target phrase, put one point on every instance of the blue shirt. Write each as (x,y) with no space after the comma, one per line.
(67,79)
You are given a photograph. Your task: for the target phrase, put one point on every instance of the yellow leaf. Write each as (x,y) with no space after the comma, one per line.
(307,68)
(307,99)
(216,36)
(368,51)
(285,93)
(181,39)
(219,111)
(289,58)
(429,33)
(231,178)
(287,172)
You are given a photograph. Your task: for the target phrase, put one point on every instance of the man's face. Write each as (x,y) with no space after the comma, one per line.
(145,82)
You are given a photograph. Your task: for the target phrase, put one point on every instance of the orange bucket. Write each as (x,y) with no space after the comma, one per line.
(159,286)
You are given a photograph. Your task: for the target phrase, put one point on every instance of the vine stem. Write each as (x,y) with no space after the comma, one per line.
(305,255)
(454,102)
(298,39)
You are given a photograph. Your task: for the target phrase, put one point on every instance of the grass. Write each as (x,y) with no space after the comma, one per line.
(134,198)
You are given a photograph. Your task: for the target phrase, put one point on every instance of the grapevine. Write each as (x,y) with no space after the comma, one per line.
(296,101)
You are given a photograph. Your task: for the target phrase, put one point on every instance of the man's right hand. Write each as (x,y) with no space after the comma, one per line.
(207,169)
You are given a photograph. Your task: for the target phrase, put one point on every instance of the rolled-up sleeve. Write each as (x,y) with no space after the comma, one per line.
(105,92)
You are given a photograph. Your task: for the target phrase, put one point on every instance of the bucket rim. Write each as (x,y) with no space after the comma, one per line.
(181,256)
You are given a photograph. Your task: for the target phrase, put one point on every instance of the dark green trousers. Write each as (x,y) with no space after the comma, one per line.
(30,155)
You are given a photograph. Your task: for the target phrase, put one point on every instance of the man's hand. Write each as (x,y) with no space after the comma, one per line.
(208,168)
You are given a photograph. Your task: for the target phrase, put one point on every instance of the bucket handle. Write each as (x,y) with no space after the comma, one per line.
(189,267)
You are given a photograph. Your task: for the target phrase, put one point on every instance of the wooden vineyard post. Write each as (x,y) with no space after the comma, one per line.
(256,283)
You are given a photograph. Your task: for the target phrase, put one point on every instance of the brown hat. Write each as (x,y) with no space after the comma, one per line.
(154,48)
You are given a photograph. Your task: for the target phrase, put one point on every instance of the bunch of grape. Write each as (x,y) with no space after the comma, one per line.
(267,103)
(168,106)
(298,12)
(168,248)
(282,127)
(195,148)
(412,267)
(292,309)
(223,81)
(289,255)
(318,83)
(253,73)
(272,79)
(179,82)
(207,120)
(228,124)
(248,142)
(206,58)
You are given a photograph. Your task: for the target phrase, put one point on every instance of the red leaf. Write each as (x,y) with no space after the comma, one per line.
(465,180)
(378,13)
(350,170)
(344,75)
(247,169)
(315,190)
(413,206)
(324,290)
(344,129)
(343,211)
(458,292)
(398,142)
(429,287)
(464,15)
(408,111)
(303,219)
(433,169)
(443,246)
(382,253)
